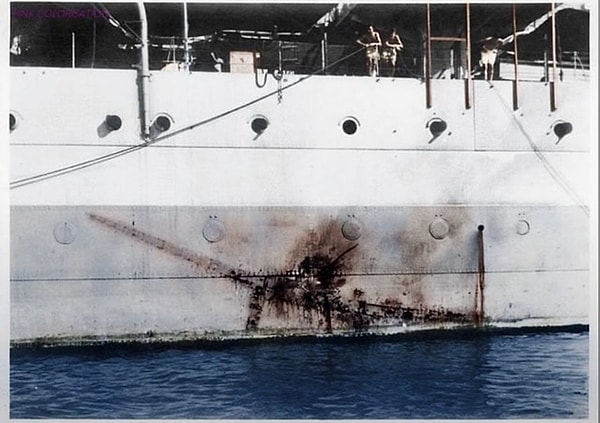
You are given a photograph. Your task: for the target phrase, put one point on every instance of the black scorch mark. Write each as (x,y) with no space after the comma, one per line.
(313,286)
(311,283)
(211,265)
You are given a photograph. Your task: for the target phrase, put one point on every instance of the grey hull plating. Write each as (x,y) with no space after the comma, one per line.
(166,273)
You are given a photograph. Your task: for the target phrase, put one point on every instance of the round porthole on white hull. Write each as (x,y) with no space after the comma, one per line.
(439,228)
(351,229)
(64,233)
(12,121)
(259,124)
(436,126)
(523,227)
(213,231)
(349,125)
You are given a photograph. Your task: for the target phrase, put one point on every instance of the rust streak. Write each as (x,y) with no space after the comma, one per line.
(479,296)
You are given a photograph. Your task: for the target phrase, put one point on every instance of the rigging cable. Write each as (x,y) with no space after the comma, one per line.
(82,165)
(128,32)
(554,174)
(256,100)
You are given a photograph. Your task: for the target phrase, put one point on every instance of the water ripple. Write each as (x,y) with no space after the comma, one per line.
(524,376)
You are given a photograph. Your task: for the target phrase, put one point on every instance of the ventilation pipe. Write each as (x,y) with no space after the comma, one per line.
(144,74)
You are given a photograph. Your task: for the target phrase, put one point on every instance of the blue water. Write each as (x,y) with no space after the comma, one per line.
(543,375)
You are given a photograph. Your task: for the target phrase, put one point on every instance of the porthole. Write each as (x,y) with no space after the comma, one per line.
(351,229)
(436,126)
(562,129)
(113,122)
(64,233)
(162,123)
(350,125)
(13,121)
(259,124)
(439,228)
(523,227)
(213,231)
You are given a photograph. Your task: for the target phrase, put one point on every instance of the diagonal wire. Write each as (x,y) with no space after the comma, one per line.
(77,166)
(88,163)
(554,174)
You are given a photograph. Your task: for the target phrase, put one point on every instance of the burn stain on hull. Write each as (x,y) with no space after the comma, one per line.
(424,250)
(316,269)
(212,265)
(420,314)
(257,300)
(313,287)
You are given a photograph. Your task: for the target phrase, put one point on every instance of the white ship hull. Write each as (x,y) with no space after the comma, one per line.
(212,230)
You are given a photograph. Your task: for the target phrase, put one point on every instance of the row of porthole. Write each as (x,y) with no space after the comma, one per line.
(349,125)
(214,230)
(351,229)
(439,228)
(436,126)
(161,123)
(259,124)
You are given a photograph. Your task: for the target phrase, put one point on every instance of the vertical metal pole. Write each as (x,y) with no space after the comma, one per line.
(144,73)
(186,41)
(553,81)
(324,49)
(94,44)
(428,60)
(280,57)
(468,80)
(516,59)
(546,72)
(73,50)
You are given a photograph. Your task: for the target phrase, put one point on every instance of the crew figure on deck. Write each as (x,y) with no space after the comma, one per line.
(489,51)
(393,44)
(371,41)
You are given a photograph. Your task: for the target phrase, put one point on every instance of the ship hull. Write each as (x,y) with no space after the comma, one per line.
(182,273)
(352,217)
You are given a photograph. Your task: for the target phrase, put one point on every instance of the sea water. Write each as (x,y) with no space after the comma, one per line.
(517,376)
